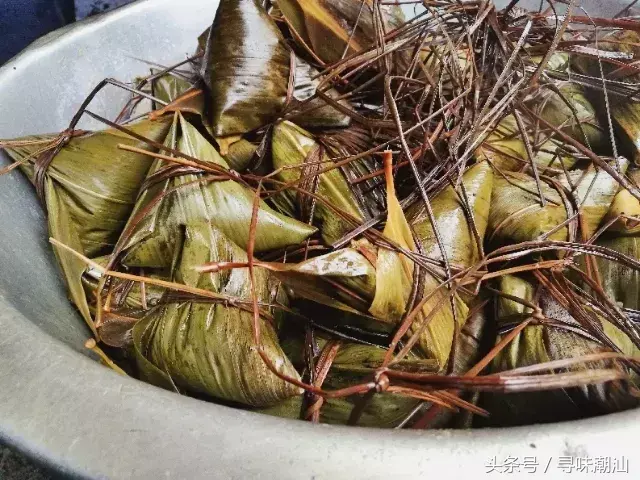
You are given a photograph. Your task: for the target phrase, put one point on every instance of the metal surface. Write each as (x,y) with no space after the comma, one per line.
(59,406)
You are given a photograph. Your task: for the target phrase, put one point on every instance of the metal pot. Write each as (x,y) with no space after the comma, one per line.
(60,407)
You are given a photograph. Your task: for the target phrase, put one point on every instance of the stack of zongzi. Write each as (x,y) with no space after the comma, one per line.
(338,214)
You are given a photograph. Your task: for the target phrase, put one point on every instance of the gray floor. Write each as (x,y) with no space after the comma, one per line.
(15,467)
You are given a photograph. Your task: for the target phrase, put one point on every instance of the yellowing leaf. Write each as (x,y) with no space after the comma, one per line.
(329,27)
(394,275)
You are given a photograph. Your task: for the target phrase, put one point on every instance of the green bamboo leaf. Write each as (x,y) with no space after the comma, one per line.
(293,158)
(131,302)
(148,372)
(247,69)
(620,282)
(179,95)
(540,343)
(237,151)
(595,191)
(314,112)
(437,337)
(209,347)
(386,410)
(626,116)
(625,113)
(472,336)
(316,280)
(386,294)
(353,363)
(90,190)
(394,281)
(225,204)
(63,228)
(455,229)
(517,214)
(506,150)
(169,87)
(99,182)
(582,121)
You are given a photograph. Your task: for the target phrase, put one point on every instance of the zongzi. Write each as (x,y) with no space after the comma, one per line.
(554,335)
(249,68)
(89,188)
(333,213)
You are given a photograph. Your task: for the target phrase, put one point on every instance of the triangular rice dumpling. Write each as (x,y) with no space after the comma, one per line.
(455,228)
(90,189)
(346,280)
(247,68)
(296,154)
(181,96)
(351,365)
(189,199)
(625,112)
(208,347)
(580,121)
(595,190)
(386,295)
(506,150)
(539,343)
(517,214)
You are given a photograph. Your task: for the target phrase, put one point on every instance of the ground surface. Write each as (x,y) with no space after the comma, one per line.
(15,467)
